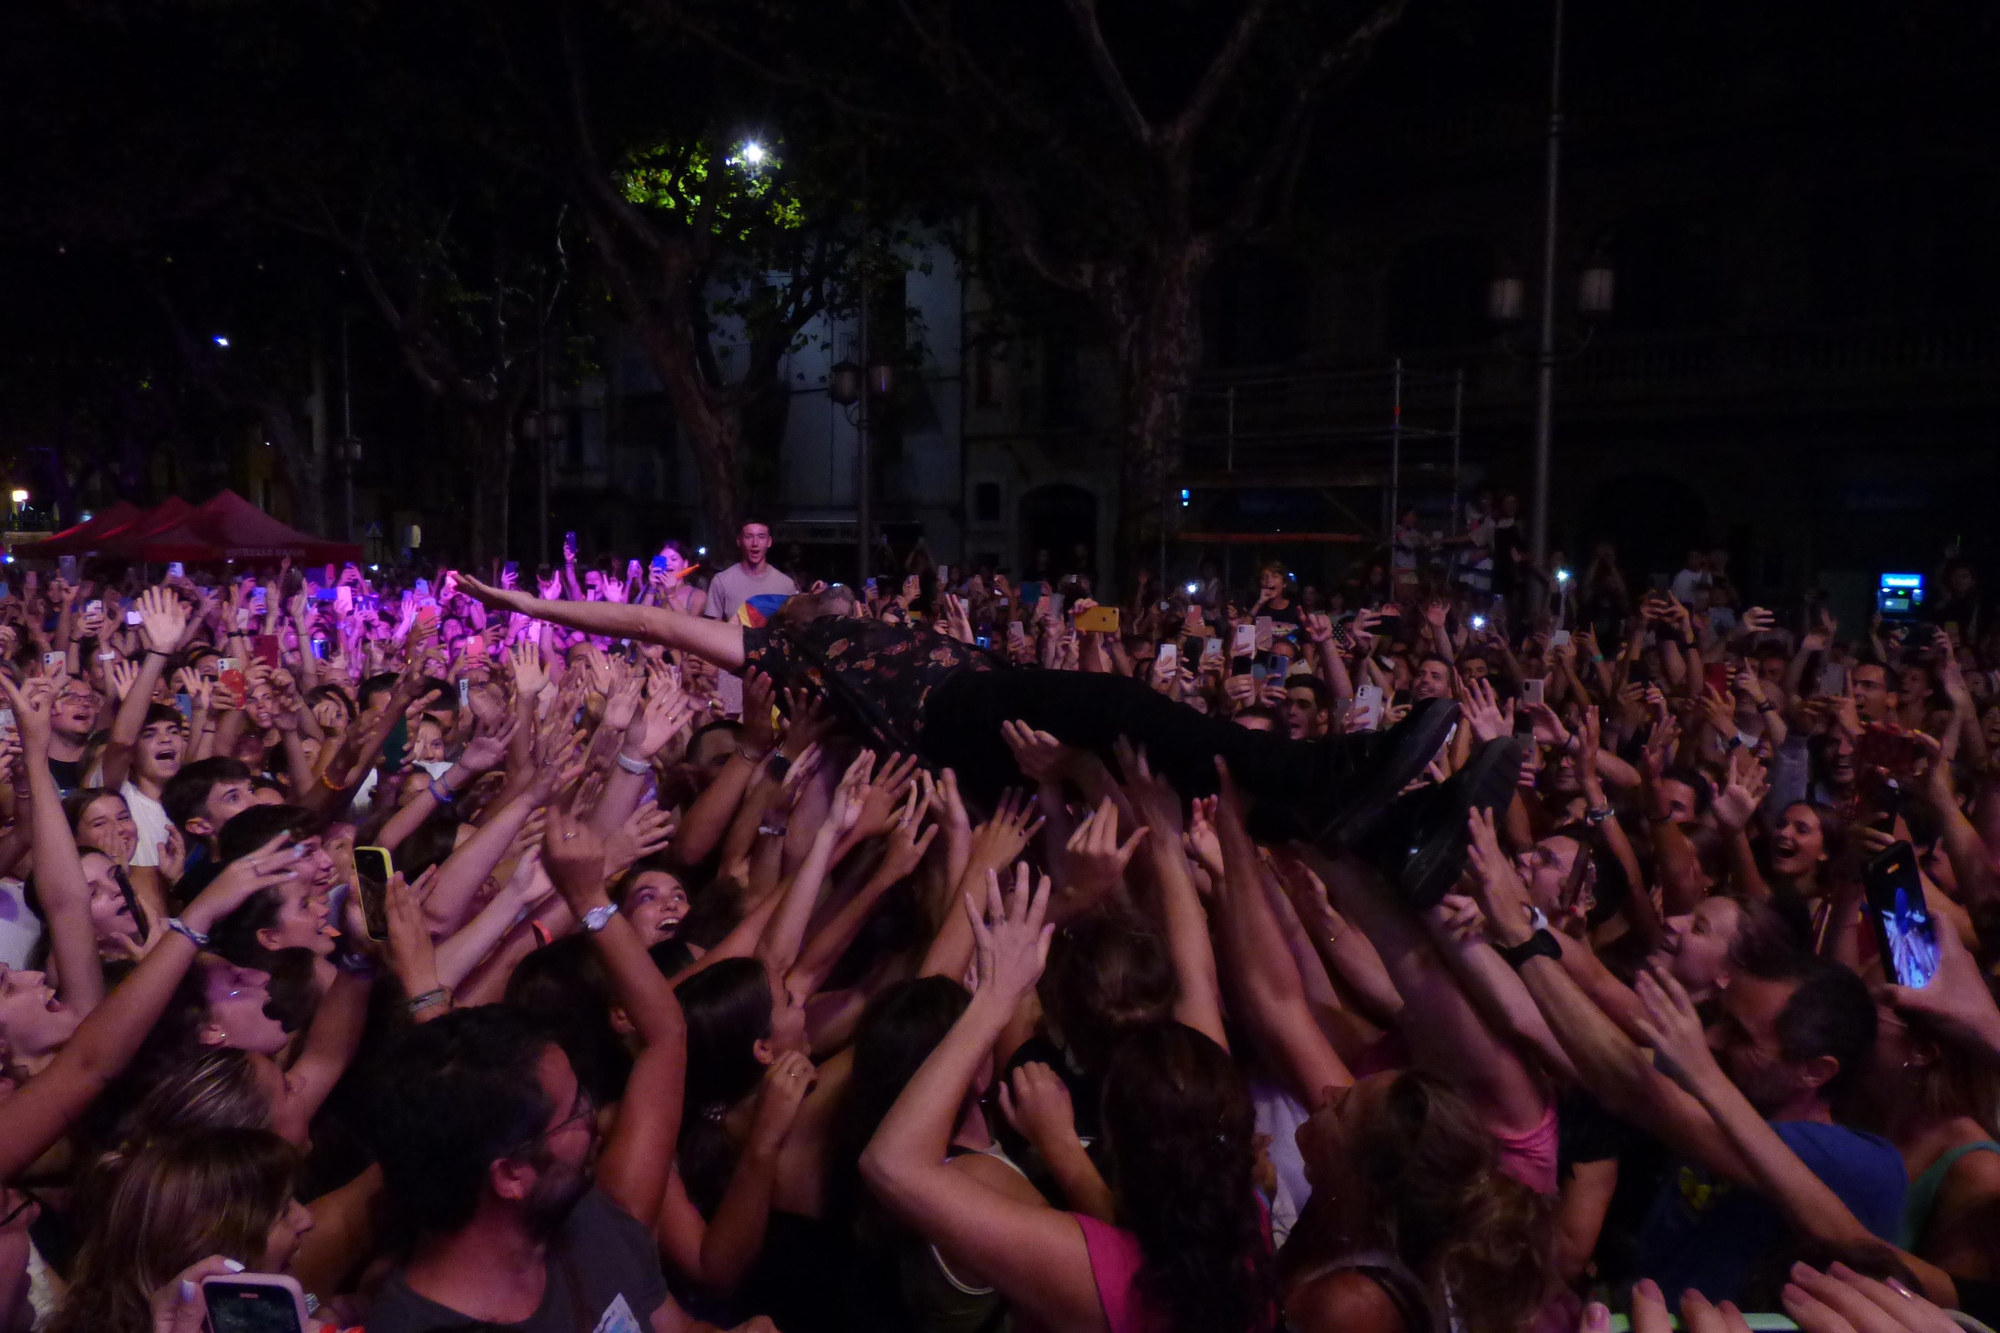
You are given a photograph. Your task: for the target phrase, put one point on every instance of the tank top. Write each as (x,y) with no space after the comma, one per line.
(1922,1196)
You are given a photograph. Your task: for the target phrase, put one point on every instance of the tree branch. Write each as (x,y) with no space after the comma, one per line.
(1215,78)
(1284,143)
(1084,12)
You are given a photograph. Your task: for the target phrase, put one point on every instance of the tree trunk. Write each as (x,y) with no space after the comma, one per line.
(710,420)
(1154,321)
(489,456)
(304,469)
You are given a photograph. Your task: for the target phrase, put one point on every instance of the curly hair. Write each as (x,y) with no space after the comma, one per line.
(1435,1197)
(1180,1127)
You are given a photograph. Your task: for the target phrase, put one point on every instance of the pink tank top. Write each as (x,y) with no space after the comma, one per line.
(1115,1259)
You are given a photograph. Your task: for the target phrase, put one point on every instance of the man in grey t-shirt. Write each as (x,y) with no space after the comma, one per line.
(747,582)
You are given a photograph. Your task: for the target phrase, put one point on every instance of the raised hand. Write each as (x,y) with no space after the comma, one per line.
(1154,800)
(1042,758)
(162,620)
(786,1083)
(121,675)
(1483,714)
(488,751)
(1000,839)
(760,733)
(267,867)
(881,794)
(1010,939)
(32,702)
(1201,840)
(645,832)
(1673,1029)
(909,839)
(574,854)
(1037,1104)
(852,793)
(1096,860)
(1743,792)
(1495,882)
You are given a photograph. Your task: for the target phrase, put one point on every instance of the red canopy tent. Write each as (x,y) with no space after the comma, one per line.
(82,538)
(227,527)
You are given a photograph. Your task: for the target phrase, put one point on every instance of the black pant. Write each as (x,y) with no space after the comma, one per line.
(1090,710)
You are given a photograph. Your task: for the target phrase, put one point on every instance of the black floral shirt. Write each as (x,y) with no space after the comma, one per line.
(879,676)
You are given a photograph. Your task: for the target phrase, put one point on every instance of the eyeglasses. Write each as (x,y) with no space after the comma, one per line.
(584,1112)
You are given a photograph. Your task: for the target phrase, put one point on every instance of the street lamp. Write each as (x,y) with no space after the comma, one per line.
(753,153)
(18,496)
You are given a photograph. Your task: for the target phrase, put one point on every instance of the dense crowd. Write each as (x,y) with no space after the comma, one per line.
(1458,946)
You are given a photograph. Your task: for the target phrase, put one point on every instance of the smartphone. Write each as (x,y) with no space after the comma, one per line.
(131,617)
(943,575)
(1832,679)
(870,585)
(327,594)
(1258,671)
(983,640)
(1367,715)
(1031,592)
(423,587)
(225,664)
(184,703)
(1245,641)
(93,607)
(1098,620)
(1056,605)
(1904,930)
(1015,633)
(176,570)
(1168,656)
(569,545)
(464,691)
(6,717)
(265,649)
(396,745)
(1211,651)
(55,661)
(1262,628)
(512,569)
(1557,638)
(254,1303)
(660,565)
(1715,675)
(66,568)
(372,869)
(1533,690)
(257,599)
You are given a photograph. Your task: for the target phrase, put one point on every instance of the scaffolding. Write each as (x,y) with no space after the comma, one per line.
(1366,441)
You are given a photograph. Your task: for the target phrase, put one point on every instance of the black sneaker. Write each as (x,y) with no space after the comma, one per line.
(1384,764)
(1419,846)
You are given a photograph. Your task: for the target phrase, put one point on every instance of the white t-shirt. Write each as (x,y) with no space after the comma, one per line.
(150,817)
(728,591)
(20,928)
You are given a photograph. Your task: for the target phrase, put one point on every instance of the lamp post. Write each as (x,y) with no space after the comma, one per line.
(1545,357)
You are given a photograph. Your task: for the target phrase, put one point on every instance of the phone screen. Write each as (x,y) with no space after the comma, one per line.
(1903,926)
(372,868)
(250,1307)
(1169,656)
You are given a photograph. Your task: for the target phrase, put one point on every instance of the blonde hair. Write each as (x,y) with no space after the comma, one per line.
(175,1201)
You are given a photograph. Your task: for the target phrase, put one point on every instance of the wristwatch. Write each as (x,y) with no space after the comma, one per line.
(597,918)
(1541,944)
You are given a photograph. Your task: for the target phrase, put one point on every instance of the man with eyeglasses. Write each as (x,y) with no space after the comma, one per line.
(489,1147)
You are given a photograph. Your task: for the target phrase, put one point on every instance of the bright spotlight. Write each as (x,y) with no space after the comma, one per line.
(753,153)
(221,341)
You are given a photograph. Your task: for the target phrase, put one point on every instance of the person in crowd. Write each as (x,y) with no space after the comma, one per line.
(1435,963)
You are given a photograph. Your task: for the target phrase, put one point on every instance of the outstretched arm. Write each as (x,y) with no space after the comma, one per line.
(714,640)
